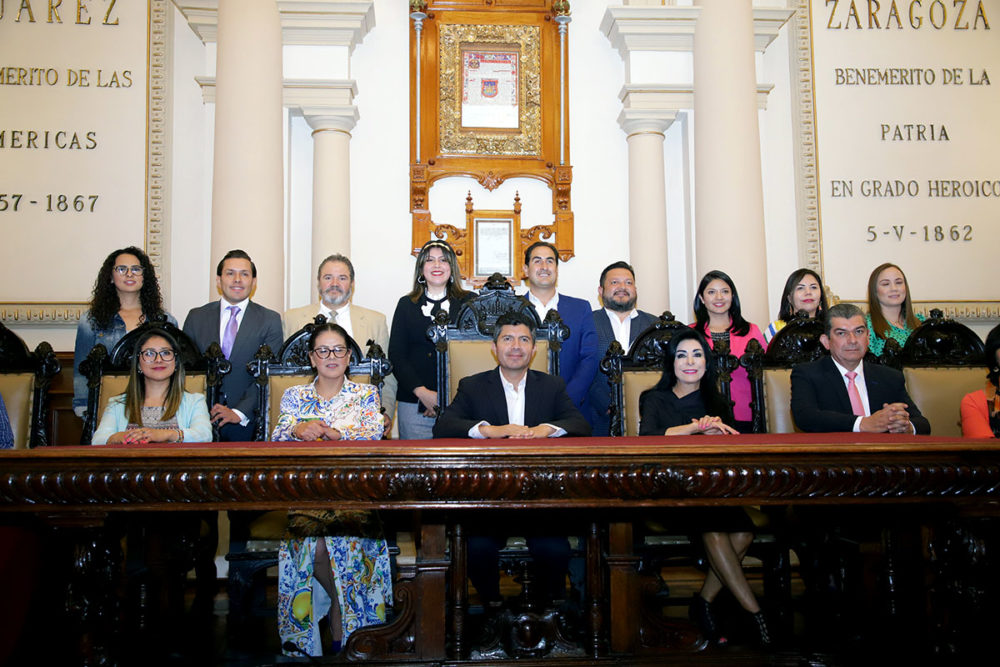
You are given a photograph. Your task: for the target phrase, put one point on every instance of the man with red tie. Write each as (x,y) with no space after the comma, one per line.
(843,392)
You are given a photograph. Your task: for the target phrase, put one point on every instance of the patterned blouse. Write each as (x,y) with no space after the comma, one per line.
(355,411)
(877,344)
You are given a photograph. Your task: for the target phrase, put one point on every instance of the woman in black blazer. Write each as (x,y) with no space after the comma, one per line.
(437,286)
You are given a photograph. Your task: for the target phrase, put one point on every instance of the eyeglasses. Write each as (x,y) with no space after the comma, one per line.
(135,270)
(150,355)
(325,352)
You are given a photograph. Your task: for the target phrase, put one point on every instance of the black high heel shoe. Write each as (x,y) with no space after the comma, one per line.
(702,616)
(759,624)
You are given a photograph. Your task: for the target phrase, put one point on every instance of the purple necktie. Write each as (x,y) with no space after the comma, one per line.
(230,336)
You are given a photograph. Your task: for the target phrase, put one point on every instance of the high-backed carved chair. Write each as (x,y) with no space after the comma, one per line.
(107,372)
(630,375)
(770,373)
(463,348)
(253,546)
(25,377)
(942,361)
(633,373)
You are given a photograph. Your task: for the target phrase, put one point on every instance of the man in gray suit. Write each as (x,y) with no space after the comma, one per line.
(618,320)
(240,327)
(335,283)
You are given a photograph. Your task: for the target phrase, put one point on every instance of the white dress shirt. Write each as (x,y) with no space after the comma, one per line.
(514,395)
(859,382)
(343,318)
(622,328)
(543,308)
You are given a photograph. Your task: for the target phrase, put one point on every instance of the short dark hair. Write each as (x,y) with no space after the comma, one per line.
(513,318)
(336,257)
(617,265)
(236,254)
(539,244)
(842,310)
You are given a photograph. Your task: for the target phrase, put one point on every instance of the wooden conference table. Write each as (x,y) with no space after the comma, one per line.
(447,481)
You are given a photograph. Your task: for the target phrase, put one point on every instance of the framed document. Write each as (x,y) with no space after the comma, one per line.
(489,99)
(493,238)
(490,88)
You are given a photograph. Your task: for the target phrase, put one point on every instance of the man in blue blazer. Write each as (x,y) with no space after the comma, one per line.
(619,320)
(844,393)
(579,356)
(240,327)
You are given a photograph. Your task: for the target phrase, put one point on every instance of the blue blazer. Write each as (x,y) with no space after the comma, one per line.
(600,391)
(579,357)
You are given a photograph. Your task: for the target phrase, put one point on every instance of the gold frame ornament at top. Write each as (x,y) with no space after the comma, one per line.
(440,147)
(453,137)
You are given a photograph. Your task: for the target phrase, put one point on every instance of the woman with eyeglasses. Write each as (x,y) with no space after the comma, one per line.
(343,551)
(437,286)
(154,407)
(126,294)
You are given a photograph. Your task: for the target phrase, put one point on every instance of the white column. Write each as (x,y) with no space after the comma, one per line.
(729,206)
(247,185)
(647,208)
(331,209)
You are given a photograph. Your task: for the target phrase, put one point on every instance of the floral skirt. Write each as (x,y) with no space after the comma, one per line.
(363,583)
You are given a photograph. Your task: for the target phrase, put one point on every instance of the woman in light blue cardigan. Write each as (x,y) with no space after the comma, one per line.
(154,407)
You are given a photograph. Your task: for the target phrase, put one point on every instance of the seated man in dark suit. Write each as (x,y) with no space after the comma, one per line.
(843,393)
(512,401)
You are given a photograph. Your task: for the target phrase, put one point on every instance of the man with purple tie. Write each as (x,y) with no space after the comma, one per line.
(240,327)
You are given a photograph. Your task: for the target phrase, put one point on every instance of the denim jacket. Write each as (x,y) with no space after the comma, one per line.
(87,336)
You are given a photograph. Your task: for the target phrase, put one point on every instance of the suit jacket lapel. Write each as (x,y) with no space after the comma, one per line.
(836,381)
(496,399)
(359,326)
(873,387)
(245,333)
(532,407)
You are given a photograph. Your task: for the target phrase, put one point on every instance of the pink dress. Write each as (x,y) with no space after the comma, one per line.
(740,387)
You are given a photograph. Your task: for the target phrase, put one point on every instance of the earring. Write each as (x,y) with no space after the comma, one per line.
(138,370)
(421,280)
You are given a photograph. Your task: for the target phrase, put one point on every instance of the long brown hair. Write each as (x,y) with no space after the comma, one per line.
(879,323)
(455,289)
(135,391)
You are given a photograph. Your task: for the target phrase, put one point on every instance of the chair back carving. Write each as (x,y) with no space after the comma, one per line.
(25,377)
(463,348)
(770,372)
(107,372)
(633,373)
(942,361)
(274,374)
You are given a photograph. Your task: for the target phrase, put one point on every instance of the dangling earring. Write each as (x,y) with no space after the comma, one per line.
(138,370)
(421,280)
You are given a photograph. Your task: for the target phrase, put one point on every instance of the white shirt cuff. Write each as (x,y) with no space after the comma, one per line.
(243,418)
(475,433)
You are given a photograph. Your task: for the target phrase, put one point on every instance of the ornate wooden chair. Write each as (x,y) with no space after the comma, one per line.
(253,545)
(770,373)
(942,361)
(107,372)
(25,377)
(463,348)
(658,547)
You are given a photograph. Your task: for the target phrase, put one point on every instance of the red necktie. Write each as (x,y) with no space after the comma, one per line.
(852,391)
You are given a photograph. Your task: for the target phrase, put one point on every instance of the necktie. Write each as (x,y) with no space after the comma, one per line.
(857,407)
(230,336)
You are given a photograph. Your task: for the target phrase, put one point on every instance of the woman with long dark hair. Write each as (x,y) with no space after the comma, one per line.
(890,308)
(718,316)
(803,293)
(437,286)
(154,407)
(686,401)
(125,295)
